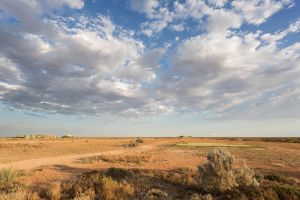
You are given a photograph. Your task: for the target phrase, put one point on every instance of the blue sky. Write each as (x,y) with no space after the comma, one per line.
(150,68)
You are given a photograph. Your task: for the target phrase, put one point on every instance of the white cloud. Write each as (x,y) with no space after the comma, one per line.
(177,27)
(227,73)
(78,65)
(144,6)
(221,20)
(256,11)
(84,64)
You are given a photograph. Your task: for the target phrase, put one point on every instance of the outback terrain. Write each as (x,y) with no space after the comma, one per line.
(150,168)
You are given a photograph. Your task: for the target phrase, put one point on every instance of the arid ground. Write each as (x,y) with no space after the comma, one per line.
(42,162)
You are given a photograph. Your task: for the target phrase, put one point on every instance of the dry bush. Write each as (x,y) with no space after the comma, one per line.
(112,190)
(139,140)
(96,185)
(267,192)
(54,192)
(245,176)
(286,191)
(180,176)
(7,176)
(87,195)
(133,143)
(116,173)
(17,191)
(21,194)
(216,175)
(156,193)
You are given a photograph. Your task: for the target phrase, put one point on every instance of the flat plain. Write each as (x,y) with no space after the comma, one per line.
(44,162)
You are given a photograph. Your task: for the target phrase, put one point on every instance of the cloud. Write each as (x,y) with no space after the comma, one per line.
(77,65)
(235,73)
(144,6)
(88,65)
(177,27)
(143,68)
(256,12)
(217,14)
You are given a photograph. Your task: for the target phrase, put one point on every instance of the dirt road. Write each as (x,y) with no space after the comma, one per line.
(70,159)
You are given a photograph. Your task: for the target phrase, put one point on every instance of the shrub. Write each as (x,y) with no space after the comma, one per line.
(156,193)
(217,175)
(116,173)
(245,176)
(287,192)
(111,190)
(7,176)
(139,140)
(87,195)
(133,143)
(180,176)
(54,192)
(13,195)
(277,178)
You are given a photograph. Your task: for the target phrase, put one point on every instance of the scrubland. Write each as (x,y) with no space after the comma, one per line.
(150,168)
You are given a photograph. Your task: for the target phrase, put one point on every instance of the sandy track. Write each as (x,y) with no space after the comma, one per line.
(68,159)
(58,160)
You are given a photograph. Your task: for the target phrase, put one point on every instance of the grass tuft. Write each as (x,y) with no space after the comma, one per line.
(7,176)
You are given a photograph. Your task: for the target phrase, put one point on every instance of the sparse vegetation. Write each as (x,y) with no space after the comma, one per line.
(54,192)
(133,143)
(139,140)
(128,159)
(111,190)
(245,176)
(193,144)
(166,177)
(7,176)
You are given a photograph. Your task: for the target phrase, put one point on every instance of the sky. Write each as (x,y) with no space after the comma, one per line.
(150,67)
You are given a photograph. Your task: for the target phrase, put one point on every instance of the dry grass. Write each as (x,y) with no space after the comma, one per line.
(111,190)
(22,149)
(127,159)
(7,176)
(14,195)
(195,144)
(125,184)
(54,191)
(164,170)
